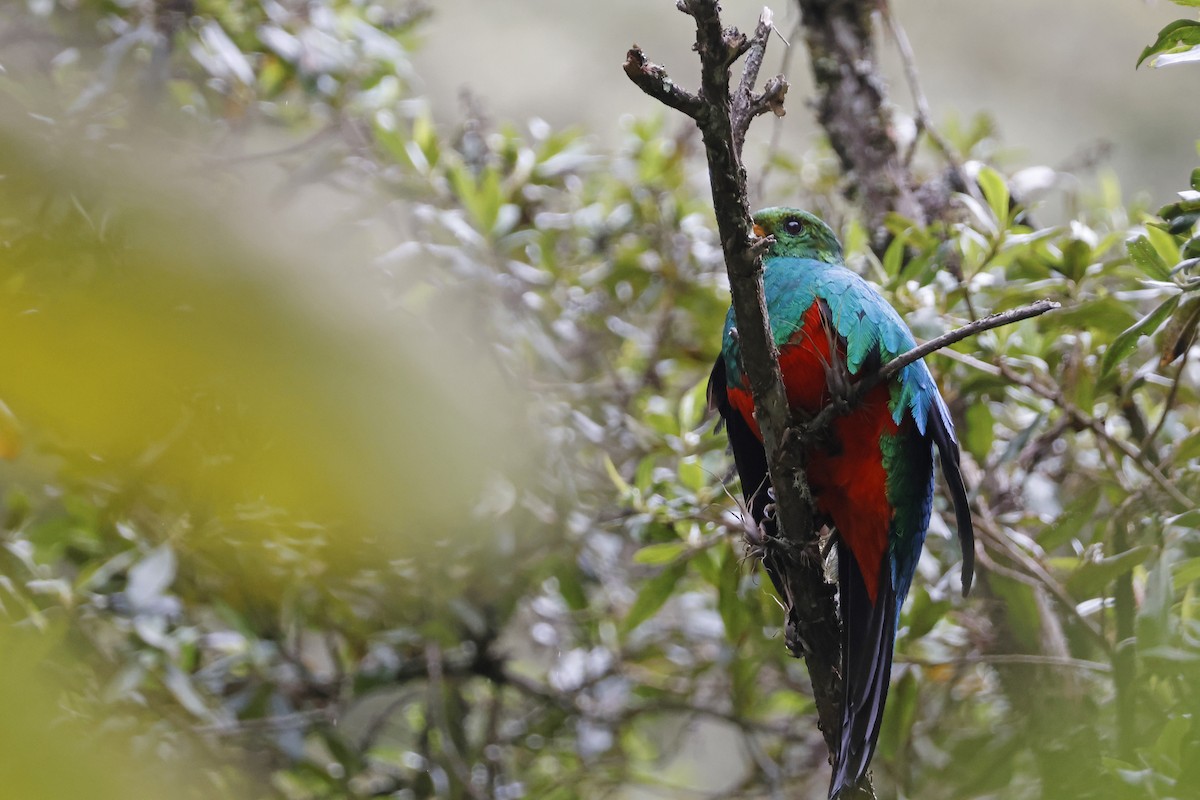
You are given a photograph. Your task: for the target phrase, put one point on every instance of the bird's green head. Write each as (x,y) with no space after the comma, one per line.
(798,234)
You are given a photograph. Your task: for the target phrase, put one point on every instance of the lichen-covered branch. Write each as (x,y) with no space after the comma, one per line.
(852,107)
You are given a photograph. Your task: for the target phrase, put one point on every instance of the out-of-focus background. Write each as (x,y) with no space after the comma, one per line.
(1057,77)
(353,430)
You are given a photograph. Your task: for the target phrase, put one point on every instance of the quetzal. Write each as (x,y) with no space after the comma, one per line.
(872,476)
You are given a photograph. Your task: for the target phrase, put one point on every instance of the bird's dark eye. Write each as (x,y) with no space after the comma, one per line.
(793,227)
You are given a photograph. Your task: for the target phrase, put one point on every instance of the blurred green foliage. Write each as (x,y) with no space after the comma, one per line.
(348,456)
(1177,43)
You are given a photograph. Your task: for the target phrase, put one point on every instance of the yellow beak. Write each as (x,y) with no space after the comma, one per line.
(759,231)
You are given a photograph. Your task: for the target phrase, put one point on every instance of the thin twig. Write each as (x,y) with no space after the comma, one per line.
(1009,658)
(958,334)
(777,127)
(441,720)
(924,114)
(265,155)
(1085,420)
(746,104)
(992,534)
(280,722)
(1170,401)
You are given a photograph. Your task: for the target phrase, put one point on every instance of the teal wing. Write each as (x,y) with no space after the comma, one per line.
(874,332)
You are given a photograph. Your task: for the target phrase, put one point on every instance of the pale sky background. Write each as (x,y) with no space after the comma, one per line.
(1057,75)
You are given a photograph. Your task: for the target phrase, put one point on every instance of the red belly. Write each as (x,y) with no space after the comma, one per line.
(846,474)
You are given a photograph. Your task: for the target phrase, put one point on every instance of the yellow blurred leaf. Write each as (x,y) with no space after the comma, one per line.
(271,389)
(10,433)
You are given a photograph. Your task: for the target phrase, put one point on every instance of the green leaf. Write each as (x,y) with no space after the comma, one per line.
(1124,345)
(1170,740)
(979,433)
(1182,34)
(1105,316)
(787,704)
(1076,256)
(744,672)
(995,191)
(570,586)
(693,406)
(708,565)
(1186,572)
(1165,244)
(1146,257)
(662,553)
(482,196)
(732,607)
(1020,607)
(1091,577)
(893,257)
(1188,449)
(1154,616)
(346,754)
(622,487)
(1074,516)
(1166,653)
(692,475)
(1179,332)
(1182,222)
(901,713)
(1190,249)
(924,612)
(1188,519)
(653,594)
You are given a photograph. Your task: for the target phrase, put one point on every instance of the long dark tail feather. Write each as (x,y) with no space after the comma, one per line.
(868,630)
(868,634)
(748,453)
(947,444)
(749,457)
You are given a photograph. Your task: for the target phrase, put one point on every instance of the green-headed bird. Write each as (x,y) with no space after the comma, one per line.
(872,476)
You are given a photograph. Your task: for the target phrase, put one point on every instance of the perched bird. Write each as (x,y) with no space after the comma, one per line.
(872,476)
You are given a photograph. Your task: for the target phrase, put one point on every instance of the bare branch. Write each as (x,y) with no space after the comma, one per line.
(746,104)
(652,79)
(777,128)
(812,626)
(1085,420)
(958,334)
(1030,659)
(924,116)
